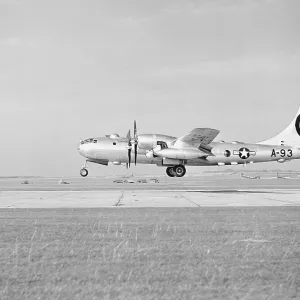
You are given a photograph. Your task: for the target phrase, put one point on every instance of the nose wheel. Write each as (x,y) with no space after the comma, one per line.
(176,171)
(84,172)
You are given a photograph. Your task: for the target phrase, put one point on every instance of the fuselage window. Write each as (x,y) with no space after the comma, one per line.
(95,141)
(114,143)
(227,153)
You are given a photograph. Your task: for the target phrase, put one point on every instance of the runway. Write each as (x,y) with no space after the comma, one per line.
(214,182)
(193,191)
(72,240)
(146,198)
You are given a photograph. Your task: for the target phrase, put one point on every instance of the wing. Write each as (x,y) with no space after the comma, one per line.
(198,137)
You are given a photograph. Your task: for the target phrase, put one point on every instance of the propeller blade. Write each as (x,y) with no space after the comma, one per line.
(129,157)
(128,136)
(135,130)
(135,141)
(135,153)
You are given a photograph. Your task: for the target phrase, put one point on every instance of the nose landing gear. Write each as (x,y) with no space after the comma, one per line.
(176,171)
(84,172)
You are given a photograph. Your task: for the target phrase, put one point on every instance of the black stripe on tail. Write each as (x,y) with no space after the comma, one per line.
(297,125)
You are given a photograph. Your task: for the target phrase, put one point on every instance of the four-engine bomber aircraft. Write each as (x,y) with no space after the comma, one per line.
(193,149)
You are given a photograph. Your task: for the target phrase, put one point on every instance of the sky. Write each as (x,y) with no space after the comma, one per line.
(73,69)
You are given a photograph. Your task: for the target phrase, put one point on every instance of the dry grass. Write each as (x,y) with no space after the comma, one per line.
(203,253)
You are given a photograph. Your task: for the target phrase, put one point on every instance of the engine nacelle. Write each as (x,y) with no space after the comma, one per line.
(149,141)
(174,153)
(146,141)
(149,154)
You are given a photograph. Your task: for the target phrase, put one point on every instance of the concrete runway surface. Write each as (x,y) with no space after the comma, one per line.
(192,191)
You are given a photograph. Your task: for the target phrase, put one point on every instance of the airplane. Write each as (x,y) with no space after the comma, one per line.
(196,148)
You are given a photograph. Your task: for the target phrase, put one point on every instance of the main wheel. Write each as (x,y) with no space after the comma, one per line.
(84,172)
(170,172)
(180,170)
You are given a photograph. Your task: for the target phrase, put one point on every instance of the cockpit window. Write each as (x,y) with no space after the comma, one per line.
(87,141)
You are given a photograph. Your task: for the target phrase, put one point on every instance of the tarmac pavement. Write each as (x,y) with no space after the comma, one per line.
(193,191)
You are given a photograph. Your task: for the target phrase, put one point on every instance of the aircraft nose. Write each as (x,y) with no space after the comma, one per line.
(81,149)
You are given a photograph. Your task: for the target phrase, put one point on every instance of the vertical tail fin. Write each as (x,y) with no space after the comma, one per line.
(289,136)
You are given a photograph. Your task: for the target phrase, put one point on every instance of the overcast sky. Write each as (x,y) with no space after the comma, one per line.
(72,69)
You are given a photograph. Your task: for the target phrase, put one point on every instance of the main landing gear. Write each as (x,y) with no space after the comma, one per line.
(84,172)
(176,171)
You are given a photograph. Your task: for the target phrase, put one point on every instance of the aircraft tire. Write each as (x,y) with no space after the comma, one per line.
(170,172)
(180,170)
(84,172)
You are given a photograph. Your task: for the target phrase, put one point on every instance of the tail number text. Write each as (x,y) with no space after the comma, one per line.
(282,153)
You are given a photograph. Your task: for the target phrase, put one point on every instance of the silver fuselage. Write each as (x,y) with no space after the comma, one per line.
(105,149)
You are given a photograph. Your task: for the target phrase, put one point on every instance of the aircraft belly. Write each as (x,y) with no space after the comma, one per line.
(198,162)
(141,159)
(111,155)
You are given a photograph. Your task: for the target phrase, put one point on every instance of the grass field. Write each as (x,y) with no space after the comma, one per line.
(150,253)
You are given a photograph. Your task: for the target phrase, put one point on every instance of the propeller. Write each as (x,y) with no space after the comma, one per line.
(135,141)
(129,147)
(132,142)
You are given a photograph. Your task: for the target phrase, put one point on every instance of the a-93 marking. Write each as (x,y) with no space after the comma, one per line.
(282,153)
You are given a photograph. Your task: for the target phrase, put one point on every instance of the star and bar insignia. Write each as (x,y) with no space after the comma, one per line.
(244,153)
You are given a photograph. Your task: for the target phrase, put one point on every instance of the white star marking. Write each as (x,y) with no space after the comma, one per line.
(244,153)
